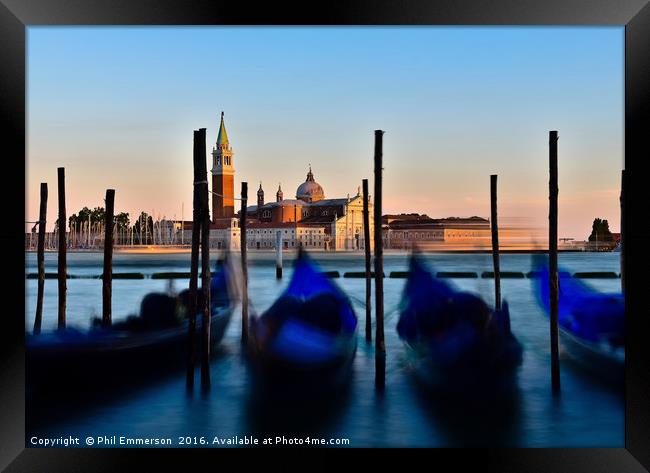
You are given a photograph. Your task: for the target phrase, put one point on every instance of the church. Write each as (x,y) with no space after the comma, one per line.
(310,220)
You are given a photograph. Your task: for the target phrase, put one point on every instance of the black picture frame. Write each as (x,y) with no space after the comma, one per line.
(16,15)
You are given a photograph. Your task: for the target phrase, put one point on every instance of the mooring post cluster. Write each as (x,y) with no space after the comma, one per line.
(200,235)
(366,244)
(62,270)
(40,258)
(244,263)
(380,348)
(278,255)
(495,241)
(552,256)
(62,267)
(107,291)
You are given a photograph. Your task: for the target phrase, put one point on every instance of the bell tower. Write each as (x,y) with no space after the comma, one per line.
(223,176)
(260,197)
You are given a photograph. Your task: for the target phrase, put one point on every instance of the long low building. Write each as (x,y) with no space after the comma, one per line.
(413,230)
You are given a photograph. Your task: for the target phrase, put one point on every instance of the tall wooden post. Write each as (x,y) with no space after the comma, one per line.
(622,247)
(278,254)
(244,263)
(552,255)
(380,348)
(107,289)
(366,239)
(205,262)
(495,241)
(194,261)
(62,248)
(40,258)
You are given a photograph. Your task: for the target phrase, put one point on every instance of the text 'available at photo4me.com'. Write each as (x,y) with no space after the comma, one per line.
(182,441)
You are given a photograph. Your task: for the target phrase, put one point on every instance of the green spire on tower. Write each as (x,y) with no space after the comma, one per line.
(222,139)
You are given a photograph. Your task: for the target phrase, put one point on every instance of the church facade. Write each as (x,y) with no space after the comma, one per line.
(310,220)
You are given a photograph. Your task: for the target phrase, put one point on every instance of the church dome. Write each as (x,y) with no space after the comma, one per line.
(310,190)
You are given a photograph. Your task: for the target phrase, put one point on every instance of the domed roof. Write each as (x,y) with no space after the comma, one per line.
(310,190)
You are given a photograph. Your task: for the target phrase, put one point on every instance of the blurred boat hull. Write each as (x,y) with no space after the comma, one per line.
(88,361)
(454,342)
(304,344)
(604,363)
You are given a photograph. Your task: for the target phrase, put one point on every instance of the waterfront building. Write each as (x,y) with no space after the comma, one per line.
(407,231)
(310,220)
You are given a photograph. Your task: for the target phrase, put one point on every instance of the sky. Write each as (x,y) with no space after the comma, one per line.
(117,106)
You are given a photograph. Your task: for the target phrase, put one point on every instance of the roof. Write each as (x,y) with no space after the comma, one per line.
(323,219)
(222,139)
(282,203)
(326,202)
(389,218)
(450,222)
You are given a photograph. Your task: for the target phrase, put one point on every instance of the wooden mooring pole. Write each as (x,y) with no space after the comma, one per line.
(205,262)
(194,261)
(552,256)
(380,348)
(40,258)
(244,264)
(623,232)
(278,255)
(495,241)
(107,281)
(366,240)
(62,267)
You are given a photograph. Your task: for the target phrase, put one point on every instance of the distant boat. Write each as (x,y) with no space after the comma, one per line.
(151,343)
(455,342)
(591,324)
(307,338)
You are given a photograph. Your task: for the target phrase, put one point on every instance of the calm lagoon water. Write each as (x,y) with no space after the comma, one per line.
(586,414)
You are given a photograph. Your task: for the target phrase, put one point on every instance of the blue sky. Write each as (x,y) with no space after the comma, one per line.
(117,105)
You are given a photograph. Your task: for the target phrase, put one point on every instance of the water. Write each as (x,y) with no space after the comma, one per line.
(587,414)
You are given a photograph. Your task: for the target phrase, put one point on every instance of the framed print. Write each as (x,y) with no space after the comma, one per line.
(378,226)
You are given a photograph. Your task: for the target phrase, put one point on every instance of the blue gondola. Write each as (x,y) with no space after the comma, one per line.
(150,344)
(454,341)
(591,324)
(307,336)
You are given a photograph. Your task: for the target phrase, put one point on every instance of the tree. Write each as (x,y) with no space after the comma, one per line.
(98,215)
(80,217)
(600,231)
(122,221)
(147,227)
